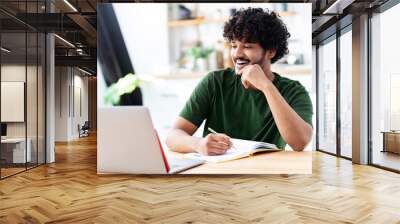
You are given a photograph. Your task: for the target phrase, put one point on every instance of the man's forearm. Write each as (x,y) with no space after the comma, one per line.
(294,130)
(179,141)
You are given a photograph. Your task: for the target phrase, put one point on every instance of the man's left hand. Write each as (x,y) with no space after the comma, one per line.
(253,77)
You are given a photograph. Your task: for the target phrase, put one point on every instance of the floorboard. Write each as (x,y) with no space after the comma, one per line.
(70,191)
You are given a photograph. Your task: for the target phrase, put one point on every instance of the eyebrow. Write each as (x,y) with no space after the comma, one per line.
(244,43)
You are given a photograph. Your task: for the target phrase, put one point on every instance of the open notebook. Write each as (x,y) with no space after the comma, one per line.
(243,148)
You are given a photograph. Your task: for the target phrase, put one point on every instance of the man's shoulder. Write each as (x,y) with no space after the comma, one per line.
(284,82)
(293,91)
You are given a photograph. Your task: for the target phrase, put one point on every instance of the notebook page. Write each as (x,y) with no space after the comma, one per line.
(242,149)
(229,155)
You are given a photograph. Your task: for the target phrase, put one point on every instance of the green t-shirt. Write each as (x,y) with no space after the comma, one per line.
(221,100)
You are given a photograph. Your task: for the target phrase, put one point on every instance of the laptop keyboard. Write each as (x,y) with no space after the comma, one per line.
(173,166)
(183,164)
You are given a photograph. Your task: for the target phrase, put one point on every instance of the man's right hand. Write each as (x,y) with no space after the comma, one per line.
(214,144)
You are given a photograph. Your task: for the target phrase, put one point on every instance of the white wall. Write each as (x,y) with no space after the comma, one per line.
(145,36)
(70,84)
(79,117)
(61,103)
(12,73)
(12,101)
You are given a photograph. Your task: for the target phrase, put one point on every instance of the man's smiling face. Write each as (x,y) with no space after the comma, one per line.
(244,53)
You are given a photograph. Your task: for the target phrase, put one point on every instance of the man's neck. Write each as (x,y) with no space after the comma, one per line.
(267,71)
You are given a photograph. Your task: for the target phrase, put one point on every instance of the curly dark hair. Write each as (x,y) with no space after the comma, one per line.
(256,25)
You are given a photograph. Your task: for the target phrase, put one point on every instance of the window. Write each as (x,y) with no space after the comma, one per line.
(385,89)
(22,77)
(346,94)
(327,97)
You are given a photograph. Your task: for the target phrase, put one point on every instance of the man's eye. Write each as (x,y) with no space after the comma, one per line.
(234,46)
(247,46)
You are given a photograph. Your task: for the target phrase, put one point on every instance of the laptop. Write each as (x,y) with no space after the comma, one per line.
(128,143)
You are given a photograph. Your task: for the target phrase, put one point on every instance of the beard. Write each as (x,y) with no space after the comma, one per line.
(241,63)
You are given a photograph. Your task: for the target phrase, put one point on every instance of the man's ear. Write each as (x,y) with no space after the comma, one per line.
(271,53)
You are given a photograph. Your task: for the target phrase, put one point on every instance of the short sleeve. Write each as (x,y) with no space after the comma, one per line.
(301,103)
(197,108)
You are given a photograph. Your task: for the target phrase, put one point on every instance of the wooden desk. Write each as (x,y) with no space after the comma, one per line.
(391,141)
(283,162)
(15,149)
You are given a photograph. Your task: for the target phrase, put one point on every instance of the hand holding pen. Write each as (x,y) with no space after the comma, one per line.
(214,144)
(230,143)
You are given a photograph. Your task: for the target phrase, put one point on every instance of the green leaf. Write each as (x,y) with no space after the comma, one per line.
(124,85)
(200,52)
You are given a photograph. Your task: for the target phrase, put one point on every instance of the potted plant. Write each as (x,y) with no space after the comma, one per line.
(200,57)
(125,85)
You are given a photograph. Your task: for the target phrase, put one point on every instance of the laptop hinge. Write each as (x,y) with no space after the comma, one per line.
(162,152)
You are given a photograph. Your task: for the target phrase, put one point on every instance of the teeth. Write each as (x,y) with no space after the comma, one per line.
(242,62)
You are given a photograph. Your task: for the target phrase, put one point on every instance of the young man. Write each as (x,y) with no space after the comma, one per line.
(250,101)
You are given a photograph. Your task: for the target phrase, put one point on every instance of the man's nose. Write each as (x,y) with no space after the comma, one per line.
(239,52)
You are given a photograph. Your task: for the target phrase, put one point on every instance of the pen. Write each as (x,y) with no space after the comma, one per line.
(214,132)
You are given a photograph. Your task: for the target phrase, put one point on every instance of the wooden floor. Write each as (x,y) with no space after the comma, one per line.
(10,171)
(387,159)
(5,172)
(69,191)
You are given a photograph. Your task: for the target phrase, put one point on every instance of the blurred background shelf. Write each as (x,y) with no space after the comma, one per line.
(203,20)
(284,69)
(196,21)
(281,69)
(179,75)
